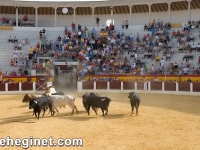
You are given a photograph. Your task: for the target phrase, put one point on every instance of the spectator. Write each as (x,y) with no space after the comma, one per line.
(145,27)
(189,80)
(126,24)
(40,34)
(26,72)
(27,63)
(93,33)
(4,20)
(73,27)
(79,27)
(155,79)
(25,18)
(145,83)
(43,32)
(123,24)
(97,21)
(185,70)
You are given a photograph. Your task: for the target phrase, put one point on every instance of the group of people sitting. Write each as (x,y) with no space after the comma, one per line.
(12,22)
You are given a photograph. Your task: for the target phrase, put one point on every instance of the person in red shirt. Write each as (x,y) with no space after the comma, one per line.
(111,26)
(69,34)
(178,33)
(73,27)
(80,57)
(174,33)
(25,18)
(4,20)
(38,45)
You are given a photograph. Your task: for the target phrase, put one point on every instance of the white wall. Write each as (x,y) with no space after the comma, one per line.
(137,18)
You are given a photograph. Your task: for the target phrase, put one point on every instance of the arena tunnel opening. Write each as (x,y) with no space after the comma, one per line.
(65,77)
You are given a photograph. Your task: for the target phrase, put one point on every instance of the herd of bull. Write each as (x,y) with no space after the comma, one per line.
(52,100)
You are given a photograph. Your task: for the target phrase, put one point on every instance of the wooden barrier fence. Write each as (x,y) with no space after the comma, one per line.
(133,85)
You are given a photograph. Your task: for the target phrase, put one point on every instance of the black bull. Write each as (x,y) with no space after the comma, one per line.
(97,102)
(84,98)
(37,104)
(135,101)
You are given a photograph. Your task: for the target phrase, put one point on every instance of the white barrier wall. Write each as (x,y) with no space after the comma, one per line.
(87,20)
(162,91)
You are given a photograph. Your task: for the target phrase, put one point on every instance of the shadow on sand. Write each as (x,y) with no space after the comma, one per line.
(113,116)
(21,119)
(185,104)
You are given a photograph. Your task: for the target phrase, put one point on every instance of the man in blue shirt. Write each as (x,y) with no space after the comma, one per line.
(110,79)
(93,33)
(153,31)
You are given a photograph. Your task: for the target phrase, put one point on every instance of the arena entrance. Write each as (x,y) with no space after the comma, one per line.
(65,78)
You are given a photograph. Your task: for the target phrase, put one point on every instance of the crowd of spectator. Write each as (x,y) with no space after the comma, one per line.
(12,22)
(114,53)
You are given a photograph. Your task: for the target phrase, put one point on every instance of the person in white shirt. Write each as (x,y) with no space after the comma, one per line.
(162,62)
(168,56)
(185,70)
(111,61)
(136,56)
(15,53)
(102,28)
(193,47)
(155,79)
(142,70)
(88,48)
(152,69)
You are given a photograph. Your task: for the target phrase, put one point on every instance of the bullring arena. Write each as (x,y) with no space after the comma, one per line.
(108,48)
(164,122)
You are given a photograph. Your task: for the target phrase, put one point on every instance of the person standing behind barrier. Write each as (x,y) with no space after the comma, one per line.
(145,83)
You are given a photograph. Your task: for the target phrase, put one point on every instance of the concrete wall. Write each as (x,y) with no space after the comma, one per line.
(137,19)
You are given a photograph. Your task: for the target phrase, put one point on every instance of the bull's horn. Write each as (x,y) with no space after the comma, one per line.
(79,96)
(35,101)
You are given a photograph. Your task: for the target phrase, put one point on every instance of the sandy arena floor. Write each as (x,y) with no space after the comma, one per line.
(165,122)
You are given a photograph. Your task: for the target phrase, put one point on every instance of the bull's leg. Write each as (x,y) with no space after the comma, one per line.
(94,108)
(72,112)
(53,112)
(132,110)
(76,109)
(44,112)
(33,113)
(102,111)
(57,110)
(106,111)
(88,110)
(49,111)
(39,114)
(136,107)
